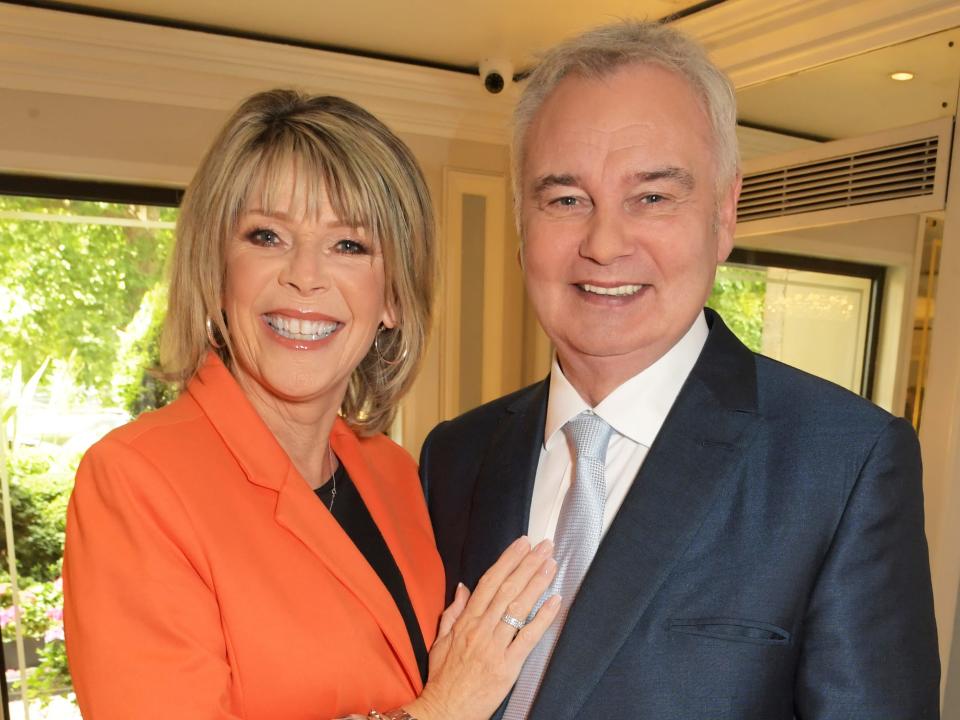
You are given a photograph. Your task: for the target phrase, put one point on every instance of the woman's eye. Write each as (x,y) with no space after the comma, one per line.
(264,237)
(351,247)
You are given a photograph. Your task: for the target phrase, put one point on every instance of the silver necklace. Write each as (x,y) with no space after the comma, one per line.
(333,477)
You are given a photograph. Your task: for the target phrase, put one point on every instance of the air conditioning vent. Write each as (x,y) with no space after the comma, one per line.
(871,175)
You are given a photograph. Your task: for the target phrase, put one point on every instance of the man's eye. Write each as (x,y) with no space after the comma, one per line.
(263,236)
(566,205)
(641,201)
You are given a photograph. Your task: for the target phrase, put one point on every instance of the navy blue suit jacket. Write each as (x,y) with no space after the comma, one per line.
(768,562)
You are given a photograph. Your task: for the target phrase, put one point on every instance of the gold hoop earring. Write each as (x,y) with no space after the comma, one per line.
(380,356)
(212,333)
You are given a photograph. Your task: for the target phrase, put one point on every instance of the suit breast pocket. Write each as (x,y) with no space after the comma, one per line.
(732,629)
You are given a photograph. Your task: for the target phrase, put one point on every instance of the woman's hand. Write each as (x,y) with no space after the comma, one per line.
(477,657)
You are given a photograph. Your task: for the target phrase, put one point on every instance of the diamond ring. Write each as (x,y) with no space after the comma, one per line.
(515,623)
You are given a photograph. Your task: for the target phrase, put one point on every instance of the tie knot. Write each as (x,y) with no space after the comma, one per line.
(590,435)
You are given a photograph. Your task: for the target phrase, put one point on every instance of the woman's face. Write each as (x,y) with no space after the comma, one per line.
(303,296)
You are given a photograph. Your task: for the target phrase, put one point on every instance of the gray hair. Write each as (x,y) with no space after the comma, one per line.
(602,50)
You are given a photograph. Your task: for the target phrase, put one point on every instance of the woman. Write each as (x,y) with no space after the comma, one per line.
(258,549)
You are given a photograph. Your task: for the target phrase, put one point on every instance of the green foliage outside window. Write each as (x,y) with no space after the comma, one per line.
(738,295)
(68,286)
(38,476)
(82,300)
(135,388)
(39,487)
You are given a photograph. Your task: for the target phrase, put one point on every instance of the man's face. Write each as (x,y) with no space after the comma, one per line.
(623,224)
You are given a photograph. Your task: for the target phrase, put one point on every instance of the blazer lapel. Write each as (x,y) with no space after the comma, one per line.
(299,512)
(500,509)
(396,515)
(695,454)
(264,463)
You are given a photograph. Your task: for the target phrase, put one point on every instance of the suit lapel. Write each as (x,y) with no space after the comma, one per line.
(500,509)
(695,454)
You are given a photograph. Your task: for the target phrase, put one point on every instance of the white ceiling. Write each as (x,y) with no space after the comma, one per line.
(451,32)
(856,96)
(847,98)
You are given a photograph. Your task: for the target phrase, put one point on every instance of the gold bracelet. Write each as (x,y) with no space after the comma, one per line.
(399,714)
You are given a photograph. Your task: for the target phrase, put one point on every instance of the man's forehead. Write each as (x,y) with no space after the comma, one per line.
(613,137)
(626,149)
(631,101)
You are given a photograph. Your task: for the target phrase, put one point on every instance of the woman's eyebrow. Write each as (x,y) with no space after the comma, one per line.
(283,216)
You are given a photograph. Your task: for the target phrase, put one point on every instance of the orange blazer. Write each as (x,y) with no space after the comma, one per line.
(203,579)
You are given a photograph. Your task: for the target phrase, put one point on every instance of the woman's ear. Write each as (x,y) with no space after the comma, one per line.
(389,317)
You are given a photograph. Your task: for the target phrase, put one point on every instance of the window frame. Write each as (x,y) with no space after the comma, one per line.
(875,273)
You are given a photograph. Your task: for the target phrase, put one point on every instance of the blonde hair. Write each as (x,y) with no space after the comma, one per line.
(602,50)
(373,182)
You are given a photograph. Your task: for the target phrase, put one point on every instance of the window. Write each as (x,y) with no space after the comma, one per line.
(82,296)
(818,315)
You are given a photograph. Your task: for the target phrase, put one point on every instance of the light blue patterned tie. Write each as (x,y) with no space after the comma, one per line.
(576,540)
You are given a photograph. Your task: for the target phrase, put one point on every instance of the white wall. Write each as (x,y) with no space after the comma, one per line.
(940,440)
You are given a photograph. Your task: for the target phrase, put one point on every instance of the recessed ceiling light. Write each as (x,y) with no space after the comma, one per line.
(901,76)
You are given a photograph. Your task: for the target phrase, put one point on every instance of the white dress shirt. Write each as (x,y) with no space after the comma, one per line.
(635,410)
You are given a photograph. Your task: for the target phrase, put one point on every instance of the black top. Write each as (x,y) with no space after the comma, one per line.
(353,516)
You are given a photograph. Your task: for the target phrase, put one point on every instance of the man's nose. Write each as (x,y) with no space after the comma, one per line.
(307,269)
(607,237)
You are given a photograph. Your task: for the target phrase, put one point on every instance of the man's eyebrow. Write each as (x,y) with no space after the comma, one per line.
(549,181)
(683,177)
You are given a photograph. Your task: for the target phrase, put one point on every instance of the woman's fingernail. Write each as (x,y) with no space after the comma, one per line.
(549,566)
(544,547)
(521,543)
(553,602)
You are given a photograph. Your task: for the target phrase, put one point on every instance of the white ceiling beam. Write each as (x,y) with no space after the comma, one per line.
(754,40)
(65,53)
(758,40)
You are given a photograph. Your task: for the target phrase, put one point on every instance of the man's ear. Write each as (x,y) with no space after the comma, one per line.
(727,217)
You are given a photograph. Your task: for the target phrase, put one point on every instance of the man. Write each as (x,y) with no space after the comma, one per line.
(741,540)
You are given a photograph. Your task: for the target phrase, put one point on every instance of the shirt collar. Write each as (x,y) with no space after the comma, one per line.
(637,408)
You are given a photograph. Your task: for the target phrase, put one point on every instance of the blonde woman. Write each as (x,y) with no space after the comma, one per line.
(259,549)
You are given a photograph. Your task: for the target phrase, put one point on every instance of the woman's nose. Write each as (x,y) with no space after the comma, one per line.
(306,270)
